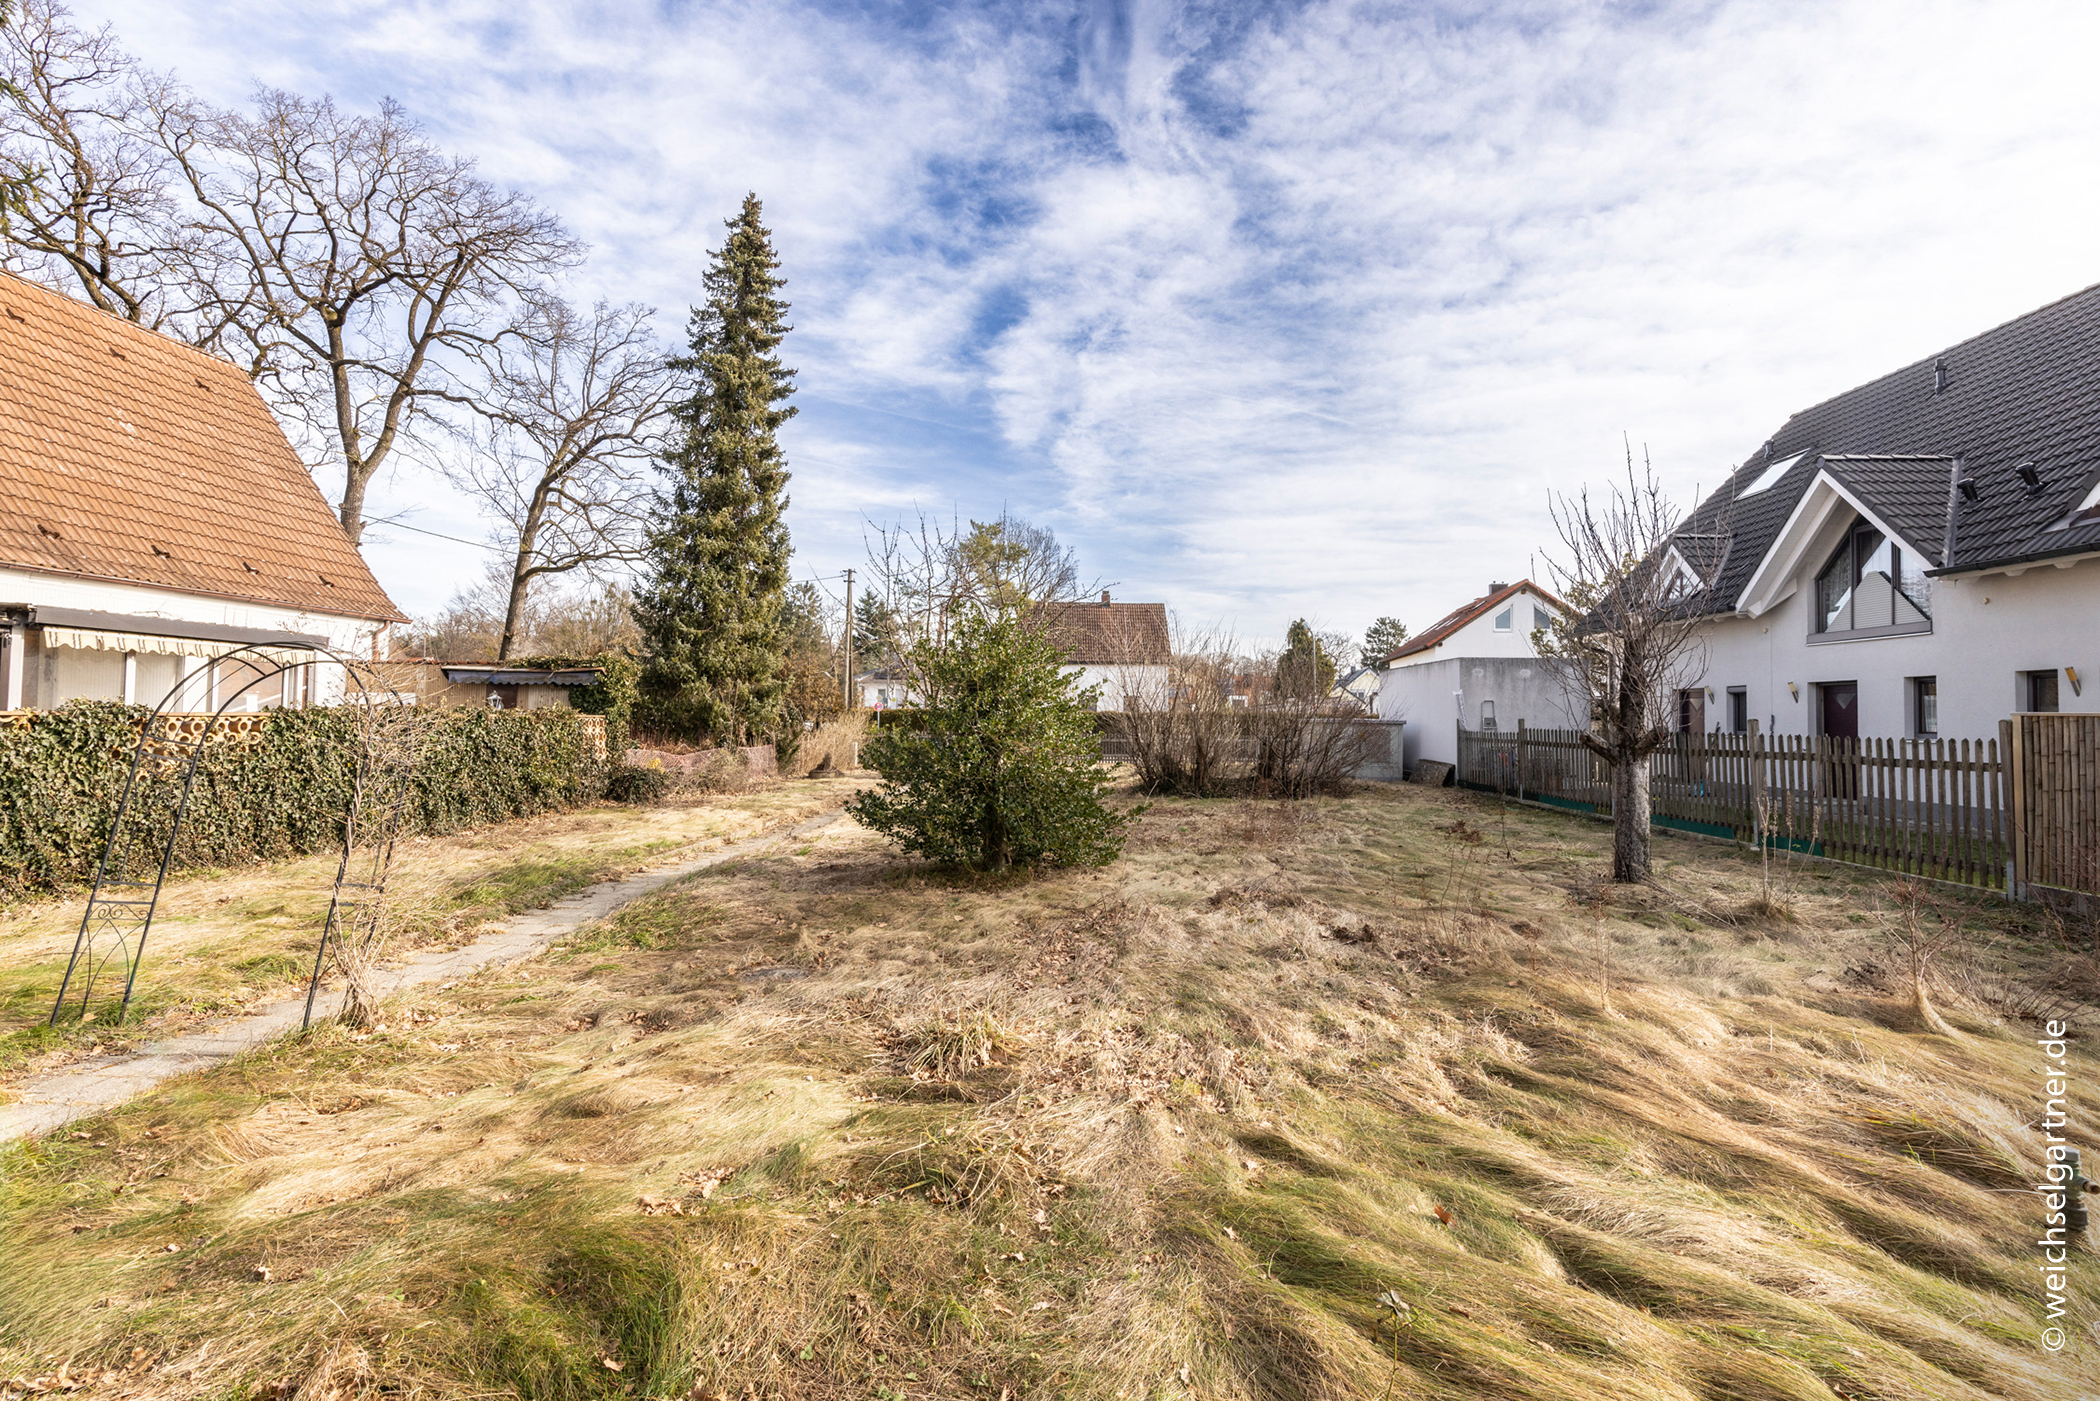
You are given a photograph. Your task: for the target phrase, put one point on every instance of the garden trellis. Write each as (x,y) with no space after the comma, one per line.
(171,745)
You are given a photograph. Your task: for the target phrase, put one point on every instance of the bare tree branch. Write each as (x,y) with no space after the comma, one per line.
(570,417)
(350,263)
(99,208)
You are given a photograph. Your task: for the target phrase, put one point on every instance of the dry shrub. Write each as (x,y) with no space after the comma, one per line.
(833,747)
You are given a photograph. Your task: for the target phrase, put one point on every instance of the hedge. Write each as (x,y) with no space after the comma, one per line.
(275,789)
(613,697)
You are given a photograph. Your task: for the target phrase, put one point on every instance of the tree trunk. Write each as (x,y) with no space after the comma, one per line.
(1629,819)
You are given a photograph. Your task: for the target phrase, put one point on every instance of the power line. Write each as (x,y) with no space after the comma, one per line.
(438,535)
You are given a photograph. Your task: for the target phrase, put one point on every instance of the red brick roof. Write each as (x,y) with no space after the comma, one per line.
(1479,607)
(129,457)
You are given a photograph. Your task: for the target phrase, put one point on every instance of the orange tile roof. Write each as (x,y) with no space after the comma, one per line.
(129,457)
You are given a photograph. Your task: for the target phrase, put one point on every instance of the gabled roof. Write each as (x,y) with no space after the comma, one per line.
(1459,617)
(129,457)
(2026,391)
(1112,634)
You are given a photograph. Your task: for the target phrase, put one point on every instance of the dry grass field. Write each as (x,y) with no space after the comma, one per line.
(1378,1097)
(223,941)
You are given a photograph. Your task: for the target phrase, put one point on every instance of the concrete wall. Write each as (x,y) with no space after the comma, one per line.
(1433,697)
(1986,632)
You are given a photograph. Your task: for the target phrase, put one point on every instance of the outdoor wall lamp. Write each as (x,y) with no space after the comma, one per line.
(2077,686)
(1794,691)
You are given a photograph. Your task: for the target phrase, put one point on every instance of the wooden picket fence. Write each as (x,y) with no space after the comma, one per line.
(1937,808)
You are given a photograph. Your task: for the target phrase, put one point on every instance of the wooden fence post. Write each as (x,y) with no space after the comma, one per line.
(1520,758)
(1756,742)
(2012,805)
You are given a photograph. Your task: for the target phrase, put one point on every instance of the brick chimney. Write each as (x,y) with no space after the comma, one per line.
(1104,598)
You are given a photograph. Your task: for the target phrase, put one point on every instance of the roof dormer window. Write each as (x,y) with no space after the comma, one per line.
(1870,587)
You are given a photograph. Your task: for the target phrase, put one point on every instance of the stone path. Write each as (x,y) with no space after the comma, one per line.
(87,1087)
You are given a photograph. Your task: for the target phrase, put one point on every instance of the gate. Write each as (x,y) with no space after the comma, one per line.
(2056,801)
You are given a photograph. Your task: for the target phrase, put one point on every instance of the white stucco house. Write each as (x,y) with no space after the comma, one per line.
(886,688)
(1479,667)
(1919,556)
(153,518)
(1360,685)
(1123,648)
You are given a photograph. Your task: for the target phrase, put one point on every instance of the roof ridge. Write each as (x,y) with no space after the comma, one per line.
(1944,350)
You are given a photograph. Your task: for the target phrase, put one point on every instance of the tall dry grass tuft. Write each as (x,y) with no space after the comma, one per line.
(833,747)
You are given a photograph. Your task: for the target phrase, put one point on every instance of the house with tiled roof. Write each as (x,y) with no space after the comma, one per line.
(1477,666)
(1914,557)
(1122,649)
(153,517)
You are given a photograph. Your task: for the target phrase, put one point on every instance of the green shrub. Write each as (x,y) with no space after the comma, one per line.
(999,768)
(637,783)
(279,789)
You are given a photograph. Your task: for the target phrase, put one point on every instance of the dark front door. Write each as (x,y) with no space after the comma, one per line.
(1841,728)
(1841,710)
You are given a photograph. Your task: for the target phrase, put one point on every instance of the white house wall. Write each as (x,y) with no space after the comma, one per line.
(1433,697)
(351,636)
(1145,686)
(1986,633)
(1480,638)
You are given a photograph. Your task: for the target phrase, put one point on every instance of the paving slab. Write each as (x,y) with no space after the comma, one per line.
(47,1102)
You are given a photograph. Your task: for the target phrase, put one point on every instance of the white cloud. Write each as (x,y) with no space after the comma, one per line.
(1302,313)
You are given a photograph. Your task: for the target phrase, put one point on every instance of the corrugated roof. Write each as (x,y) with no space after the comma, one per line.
(2028,390)
(130,457)
(1458,617)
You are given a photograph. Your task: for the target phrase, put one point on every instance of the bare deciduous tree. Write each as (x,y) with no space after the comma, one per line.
(1631,640)
(99,211)
(570,413)
(344,261)
(927,574)
(349,260)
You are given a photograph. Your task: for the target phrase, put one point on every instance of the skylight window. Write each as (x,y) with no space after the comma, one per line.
(1774,470)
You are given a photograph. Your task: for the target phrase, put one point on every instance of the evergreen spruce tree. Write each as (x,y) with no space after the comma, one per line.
(1304,671)
(1384,639)
(712,608)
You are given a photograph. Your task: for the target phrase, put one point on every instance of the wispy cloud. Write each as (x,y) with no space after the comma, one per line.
(1272,310)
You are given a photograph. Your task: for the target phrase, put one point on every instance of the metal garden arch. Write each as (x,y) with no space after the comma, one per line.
(171,745)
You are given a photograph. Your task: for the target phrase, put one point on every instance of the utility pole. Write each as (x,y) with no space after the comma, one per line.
(849,639)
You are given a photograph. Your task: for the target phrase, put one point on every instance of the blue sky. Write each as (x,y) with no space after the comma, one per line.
(1271,310)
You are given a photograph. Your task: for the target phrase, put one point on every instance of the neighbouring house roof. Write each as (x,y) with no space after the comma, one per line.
(129,457)
(1478,608)
(2024,392)
(1113,634)
(485,675)
(884,673)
